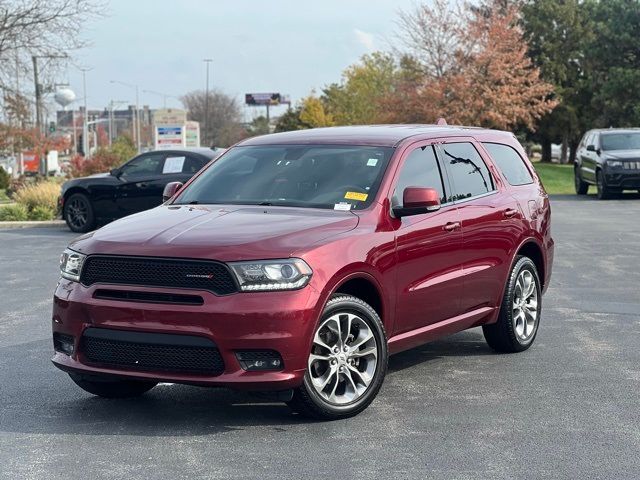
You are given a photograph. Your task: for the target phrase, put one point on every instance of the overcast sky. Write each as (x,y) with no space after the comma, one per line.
(287,46)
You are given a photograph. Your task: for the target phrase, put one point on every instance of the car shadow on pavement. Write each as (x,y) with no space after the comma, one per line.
(469,343)
(44,400)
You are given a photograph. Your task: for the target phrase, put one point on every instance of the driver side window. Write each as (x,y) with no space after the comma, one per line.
(420,169)
(145,165)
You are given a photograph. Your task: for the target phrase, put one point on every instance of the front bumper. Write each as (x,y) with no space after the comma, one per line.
(629,180)
(280,321)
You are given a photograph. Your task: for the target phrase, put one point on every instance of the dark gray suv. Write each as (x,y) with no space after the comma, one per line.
(609,159)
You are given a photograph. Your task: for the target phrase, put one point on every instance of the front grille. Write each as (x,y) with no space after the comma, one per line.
(148,297)
(207,275)
(151,351)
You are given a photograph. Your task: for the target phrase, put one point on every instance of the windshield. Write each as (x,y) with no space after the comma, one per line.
(621,141)
(317,176)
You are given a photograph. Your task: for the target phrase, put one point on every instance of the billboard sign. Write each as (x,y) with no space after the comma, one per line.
(262,98)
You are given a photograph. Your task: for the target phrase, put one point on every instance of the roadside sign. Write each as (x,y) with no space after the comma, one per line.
(192,134)
(169,136)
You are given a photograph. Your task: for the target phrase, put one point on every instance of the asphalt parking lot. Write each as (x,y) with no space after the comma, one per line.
(566,408)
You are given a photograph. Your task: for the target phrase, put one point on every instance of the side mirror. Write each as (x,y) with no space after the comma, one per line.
(115,172)
(170,190)
(591,148)
(417,200)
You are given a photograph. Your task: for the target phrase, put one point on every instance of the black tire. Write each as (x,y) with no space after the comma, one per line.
(109,388)
(582,188)
(78,213)
(502,336)
(308,402)
(603,192)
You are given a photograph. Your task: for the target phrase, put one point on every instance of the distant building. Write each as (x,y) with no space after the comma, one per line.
(116,122)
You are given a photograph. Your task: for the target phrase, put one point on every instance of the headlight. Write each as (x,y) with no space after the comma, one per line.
(269,275)
(614,164)
(71,265)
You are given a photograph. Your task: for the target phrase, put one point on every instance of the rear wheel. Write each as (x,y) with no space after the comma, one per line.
(112,388)
(582,188)
(519,316)
(78,213)
(347,363)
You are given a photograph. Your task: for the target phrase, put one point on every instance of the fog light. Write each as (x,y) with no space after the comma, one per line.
(260,360)
(63,343)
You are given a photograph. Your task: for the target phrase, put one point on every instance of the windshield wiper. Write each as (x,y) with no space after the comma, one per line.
(265,204)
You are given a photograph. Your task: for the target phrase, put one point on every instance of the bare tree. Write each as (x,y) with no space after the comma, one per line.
(39,28)
(431,34)
(223,122)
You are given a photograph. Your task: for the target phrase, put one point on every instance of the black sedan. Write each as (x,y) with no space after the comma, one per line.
(135,186)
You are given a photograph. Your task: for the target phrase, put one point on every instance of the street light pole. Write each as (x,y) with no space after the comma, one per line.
(206,104)
(85,124)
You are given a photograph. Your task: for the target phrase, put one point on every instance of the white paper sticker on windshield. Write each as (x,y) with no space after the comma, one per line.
(372,162)
(342,206)
(173,165)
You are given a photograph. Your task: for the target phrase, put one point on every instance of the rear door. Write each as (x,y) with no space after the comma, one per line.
(177,167)
(429,266)
(490,218)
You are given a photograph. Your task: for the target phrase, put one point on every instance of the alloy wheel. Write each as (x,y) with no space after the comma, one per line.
(343,359)
(77,213)
(525,306)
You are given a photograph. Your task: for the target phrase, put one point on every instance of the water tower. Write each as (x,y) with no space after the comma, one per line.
(64,96)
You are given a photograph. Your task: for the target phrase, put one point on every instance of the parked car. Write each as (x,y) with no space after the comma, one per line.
(297,262)
(556,151)
(135,186)
(610,160)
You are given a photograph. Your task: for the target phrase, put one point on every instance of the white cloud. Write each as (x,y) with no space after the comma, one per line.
(367,40)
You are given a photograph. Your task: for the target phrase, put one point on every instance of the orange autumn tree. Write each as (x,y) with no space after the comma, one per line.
(491,83)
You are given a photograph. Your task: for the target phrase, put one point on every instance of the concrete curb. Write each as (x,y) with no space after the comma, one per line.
(33,223)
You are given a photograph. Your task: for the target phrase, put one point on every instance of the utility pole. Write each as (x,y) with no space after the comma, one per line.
(38,91)
(38,95)
(206,105)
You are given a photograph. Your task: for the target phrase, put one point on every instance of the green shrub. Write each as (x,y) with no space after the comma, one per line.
(42,213)
(14,212)
(5,179)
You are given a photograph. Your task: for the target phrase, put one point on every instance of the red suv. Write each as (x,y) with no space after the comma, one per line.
(297,262)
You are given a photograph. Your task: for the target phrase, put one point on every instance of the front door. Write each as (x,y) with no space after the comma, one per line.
(428,248)
(140,187)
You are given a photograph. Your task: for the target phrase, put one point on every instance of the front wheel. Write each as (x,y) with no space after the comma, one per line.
(347,363)
(78,213)
(112,388)
(603,192)
(519,316)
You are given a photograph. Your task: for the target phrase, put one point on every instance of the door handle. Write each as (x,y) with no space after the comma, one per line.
(510,212)
(451,226)
(142,184)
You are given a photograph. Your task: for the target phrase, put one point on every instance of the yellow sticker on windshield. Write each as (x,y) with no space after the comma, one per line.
(356,196)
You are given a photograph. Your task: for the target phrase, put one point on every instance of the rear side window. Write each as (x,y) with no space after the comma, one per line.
(193,164)
(510,163)
(469,175)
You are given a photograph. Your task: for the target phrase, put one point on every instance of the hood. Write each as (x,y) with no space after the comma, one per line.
(223,233)
(621,154)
